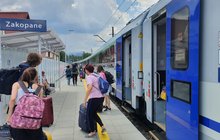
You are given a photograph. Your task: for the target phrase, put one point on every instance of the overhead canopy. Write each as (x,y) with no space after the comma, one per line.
(49,41)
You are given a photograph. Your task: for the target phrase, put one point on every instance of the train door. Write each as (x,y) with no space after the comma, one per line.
(119,68)
(159,69)
(127,65)
(182,79)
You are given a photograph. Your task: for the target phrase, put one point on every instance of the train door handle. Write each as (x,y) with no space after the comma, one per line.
(157,73)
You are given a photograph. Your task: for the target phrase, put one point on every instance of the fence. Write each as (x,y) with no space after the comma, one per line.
(12,57)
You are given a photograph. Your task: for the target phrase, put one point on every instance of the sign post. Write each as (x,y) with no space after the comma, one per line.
(9,24)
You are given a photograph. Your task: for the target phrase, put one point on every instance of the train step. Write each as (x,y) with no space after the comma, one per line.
(127,109)
(157,135)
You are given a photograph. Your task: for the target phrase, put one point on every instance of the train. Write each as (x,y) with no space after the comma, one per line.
(166,63)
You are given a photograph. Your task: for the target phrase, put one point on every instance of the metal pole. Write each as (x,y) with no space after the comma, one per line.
(100,38)
(40,66)
(1,96)
(59,72)
(1,49)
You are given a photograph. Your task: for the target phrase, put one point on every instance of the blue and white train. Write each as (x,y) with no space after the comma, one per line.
(172,47)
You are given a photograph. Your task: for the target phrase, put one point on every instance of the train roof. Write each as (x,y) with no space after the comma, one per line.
(151,11)
(160,5)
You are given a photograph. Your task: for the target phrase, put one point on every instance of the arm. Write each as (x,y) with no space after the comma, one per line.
(14,93)
(88,91)
(35,86)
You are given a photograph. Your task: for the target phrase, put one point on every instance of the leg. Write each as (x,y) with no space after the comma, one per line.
(98,103)
(108,97)
(108,101)
(18,134)
(68,81)
(36,134)
(73,80)
(76,78)
(90,115)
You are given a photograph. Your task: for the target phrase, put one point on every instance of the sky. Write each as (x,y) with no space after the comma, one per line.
(77,21)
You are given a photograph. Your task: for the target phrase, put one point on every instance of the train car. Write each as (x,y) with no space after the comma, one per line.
(129,66)
(169,59)
(181,43)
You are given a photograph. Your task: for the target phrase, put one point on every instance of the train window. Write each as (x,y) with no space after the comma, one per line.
(180,39)
(181,90)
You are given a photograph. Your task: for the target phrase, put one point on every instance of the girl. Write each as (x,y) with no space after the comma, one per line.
(29,78)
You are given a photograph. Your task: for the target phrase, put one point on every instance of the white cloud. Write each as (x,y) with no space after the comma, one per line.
(85,17)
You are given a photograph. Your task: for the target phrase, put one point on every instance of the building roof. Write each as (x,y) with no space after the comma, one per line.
(19,15)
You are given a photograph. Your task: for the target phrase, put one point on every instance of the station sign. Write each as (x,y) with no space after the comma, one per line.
(30,25)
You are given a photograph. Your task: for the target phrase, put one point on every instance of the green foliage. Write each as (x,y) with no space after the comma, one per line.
(74,58)
(62,56)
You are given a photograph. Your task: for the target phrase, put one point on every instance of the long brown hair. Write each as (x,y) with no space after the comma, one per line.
(29,75)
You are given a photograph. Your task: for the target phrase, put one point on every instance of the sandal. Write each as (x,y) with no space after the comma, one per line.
(91,134)
(103,130)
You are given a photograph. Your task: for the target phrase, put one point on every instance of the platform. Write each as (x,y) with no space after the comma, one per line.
(66,112)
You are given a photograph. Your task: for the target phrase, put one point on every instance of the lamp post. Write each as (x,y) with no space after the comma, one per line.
(100,38)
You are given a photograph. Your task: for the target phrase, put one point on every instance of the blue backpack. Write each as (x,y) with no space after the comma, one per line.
(103,84)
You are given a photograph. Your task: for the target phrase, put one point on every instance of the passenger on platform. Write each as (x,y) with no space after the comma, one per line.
(33,60)
(95,100)
(68,74)
(75,73)
(29,78)
(45,84)
(101,72)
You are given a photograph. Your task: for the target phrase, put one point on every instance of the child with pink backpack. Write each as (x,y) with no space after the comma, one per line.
(26,108)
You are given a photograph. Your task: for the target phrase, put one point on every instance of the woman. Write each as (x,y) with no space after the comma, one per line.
(68,74)
(95,100)
(101,72)
(29,78)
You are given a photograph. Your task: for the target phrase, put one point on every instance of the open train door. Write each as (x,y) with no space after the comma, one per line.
(182,81)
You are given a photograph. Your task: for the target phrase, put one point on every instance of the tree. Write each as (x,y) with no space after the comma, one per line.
(62,56)
(75,58)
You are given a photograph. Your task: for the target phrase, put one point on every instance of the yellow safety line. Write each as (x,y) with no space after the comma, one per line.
(99,129)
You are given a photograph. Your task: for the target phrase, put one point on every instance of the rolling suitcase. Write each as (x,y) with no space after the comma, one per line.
(48,117)
(83,122)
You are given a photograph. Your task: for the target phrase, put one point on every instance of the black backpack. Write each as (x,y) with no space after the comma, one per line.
(109,77)
(9,76)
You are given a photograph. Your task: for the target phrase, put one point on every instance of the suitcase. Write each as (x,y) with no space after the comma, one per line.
(48,116)
(5,132)
(83,122)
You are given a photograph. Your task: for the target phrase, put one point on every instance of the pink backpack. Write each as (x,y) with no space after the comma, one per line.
(29,110)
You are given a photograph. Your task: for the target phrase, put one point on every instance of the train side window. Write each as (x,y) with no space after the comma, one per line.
(181,90)
(180,39)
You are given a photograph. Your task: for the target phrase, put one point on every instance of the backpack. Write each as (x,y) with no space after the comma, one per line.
(103,84)
(68,72)
(109,77)
(74,69)
(9,76)
(29,110)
